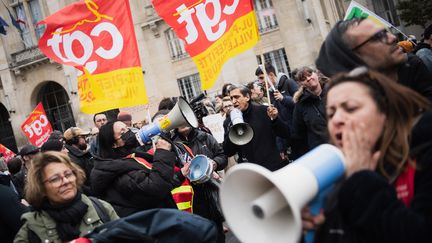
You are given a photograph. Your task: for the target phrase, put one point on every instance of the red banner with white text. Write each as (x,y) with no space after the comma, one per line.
(213,30)
(7,153)
(98,38)
(36,127)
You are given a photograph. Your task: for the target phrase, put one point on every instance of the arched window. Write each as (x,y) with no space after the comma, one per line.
(56,104)
(7,137)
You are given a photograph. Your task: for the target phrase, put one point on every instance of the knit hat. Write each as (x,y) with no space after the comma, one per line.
(124,116)
(52,145)
(28,149)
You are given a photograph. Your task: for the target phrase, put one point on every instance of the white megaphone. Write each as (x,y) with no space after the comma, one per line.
(264,206)
(240,132)
(181,115)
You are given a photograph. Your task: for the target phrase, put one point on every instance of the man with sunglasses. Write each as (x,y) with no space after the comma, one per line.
(77,145)
(362,42)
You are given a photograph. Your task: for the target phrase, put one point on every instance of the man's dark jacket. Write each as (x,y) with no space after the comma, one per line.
(287,87)
(19,180)
(11,210)
(203,143)
(262,148)
(85,161)
(206,194)
(131,187)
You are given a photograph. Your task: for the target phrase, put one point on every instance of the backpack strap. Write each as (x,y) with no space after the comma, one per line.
(32,237)
(100,209)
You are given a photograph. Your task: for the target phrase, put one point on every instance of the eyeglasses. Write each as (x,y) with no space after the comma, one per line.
(381,36)
(57,180)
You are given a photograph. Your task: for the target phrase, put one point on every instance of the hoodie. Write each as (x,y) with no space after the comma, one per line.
(424,51)
(335,57)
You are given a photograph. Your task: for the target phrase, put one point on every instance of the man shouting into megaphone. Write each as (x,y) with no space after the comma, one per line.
(266,125)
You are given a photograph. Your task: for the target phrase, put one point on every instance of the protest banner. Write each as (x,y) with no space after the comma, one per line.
(213,30)
(215,122)
(356,10)
(97,37)
(7,153)
(36,127)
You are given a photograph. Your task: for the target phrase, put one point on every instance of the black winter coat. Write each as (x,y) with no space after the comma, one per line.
(369,210)
(131,187)
(85,161)
(309,122)
(287,87)
(19,180)
(203,143)
(262,148)
(415,74)
(206,194)
(11,210)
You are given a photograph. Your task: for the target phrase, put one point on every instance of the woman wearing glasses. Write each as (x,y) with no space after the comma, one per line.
(384,131)
(61,212)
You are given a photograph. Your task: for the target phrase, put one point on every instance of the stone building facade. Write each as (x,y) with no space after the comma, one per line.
(291,34)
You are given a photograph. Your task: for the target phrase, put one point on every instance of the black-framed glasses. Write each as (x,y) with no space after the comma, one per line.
(381,36)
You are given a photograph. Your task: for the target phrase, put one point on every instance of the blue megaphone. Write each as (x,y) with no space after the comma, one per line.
(181,115)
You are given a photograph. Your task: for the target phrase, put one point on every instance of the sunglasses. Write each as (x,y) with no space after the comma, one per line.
(381,36)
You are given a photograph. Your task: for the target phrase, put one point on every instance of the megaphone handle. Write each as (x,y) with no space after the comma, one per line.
(315,208)
(154,145)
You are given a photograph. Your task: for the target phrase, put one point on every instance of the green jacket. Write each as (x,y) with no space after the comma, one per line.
(45,227)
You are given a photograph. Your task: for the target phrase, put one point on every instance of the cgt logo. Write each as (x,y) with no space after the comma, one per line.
(76,46)
(36,127)
(208,22)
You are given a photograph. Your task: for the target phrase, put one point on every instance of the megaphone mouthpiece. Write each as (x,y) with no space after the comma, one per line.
(268,204)
(240,132)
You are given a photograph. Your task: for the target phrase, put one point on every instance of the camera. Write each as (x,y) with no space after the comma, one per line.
(198,106)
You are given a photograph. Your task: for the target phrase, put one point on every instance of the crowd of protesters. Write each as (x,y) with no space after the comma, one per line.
(369,95)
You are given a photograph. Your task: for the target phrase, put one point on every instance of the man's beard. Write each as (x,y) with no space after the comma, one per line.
(82,146)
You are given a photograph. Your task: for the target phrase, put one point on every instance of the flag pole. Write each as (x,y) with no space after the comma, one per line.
(265,78)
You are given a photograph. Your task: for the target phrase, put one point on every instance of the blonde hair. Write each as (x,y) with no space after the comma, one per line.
(35,192)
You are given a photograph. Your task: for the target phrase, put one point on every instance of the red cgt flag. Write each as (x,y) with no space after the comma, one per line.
(7,153)
(98,38)
(213,30)
(37,127)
